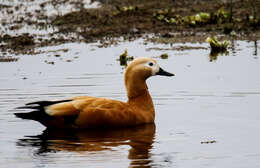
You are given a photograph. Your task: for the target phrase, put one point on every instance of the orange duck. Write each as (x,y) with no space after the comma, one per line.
(91,112)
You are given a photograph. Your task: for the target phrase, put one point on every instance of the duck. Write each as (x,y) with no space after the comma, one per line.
(94,112)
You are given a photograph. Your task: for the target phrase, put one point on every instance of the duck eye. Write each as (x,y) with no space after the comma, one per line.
(151,64)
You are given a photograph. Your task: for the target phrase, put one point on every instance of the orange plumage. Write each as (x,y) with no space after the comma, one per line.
(88,112)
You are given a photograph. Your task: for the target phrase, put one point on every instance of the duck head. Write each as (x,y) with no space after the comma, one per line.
(138,71)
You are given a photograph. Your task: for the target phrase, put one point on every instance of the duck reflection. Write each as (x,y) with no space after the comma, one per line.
(140,139)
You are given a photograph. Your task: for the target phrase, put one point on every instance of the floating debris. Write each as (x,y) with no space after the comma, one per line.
(124,58)
(217,46)
(49,62)
(208,142)
(164,56)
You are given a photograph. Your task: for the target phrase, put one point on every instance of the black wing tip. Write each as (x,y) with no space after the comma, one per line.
(46,103)
(22,115)
(38,103)
(28,107)
(38,112)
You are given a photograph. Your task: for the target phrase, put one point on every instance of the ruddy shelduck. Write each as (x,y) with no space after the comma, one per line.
(90,112)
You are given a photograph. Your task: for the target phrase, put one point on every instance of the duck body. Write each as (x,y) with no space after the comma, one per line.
(91,112)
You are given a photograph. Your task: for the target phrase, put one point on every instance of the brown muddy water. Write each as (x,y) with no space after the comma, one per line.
(206,116)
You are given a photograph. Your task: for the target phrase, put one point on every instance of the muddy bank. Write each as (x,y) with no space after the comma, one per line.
(164,21)
(163,18)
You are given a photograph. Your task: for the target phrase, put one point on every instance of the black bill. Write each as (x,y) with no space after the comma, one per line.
(164,73)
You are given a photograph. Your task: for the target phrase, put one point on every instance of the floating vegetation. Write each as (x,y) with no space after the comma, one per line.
(217,46)
(164,56)
(124,58)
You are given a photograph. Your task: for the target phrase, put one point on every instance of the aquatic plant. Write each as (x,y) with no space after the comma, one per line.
(198,19)
(125,9)
(201,18)
(164,15)
(222,16)
(124,58)
(217,46)
(253,21)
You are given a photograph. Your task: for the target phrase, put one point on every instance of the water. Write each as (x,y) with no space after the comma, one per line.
(207,101)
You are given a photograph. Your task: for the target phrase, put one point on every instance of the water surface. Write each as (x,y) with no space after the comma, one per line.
(209,100)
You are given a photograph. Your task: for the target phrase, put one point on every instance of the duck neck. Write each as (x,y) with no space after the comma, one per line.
(138,95)
(135,88)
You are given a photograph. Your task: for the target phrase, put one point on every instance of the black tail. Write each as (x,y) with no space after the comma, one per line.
(39,113)
(34,115)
